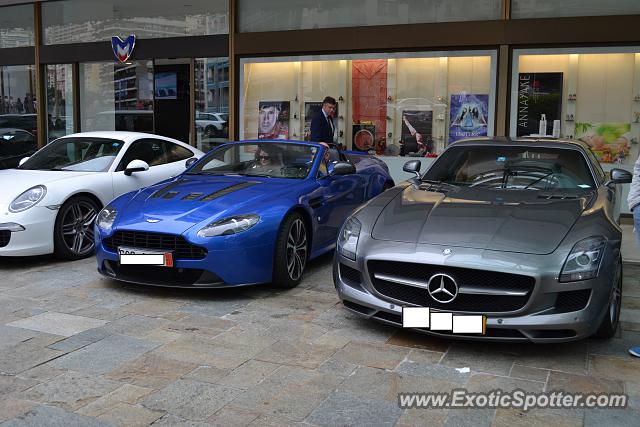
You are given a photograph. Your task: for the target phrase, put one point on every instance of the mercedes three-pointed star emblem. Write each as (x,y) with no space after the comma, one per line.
(442,288)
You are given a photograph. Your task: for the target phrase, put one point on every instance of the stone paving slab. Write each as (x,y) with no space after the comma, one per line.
(58,323)
(70,391)
(105,355)
(353,410)
(53,417)
(189,399)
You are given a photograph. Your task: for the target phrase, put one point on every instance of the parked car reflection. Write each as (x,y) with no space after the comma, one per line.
(14,145)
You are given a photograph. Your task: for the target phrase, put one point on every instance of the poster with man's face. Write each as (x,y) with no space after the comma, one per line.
(273,120)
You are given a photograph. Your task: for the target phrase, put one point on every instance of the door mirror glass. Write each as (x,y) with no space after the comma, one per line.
(341,168)
(190,161)
(413,166)
(136,166)
(620,176)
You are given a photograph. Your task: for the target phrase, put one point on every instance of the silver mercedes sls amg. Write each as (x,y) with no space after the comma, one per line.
(522,231)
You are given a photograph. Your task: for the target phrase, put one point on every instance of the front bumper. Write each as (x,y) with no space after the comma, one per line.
(541,317)
(36,236)
(227,263)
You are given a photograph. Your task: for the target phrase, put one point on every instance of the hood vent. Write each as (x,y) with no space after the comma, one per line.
(164,190)
(227,190)
(170,195)
(192,196)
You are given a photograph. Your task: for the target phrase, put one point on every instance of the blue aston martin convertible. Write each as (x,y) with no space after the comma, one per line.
(246,213)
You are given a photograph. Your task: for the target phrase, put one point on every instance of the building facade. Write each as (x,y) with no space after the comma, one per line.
(410,76)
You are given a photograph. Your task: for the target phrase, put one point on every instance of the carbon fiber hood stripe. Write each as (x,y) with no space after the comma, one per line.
(228,190)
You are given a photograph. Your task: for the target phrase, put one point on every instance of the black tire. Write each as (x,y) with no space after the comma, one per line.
(609,324)
(210,131)
(291,253)
(73,231)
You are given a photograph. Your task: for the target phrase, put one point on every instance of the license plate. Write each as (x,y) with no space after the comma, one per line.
(134,256)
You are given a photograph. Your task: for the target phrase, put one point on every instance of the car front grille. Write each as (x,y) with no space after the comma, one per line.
(492,292)
(5,237)
(155,241)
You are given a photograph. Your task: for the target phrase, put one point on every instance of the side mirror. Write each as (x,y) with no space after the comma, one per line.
(136,166)
(620,176)
(342,168)
(413,166)
(22,160)
(190,161)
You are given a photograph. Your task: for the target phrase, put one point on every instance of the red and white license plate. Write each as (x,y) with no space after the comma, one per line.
(135,256)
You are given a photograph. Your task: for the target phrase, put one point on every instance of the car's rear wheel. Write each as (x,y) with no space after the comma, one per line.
(291,253)
(607,328)
(210,131)
(73,232)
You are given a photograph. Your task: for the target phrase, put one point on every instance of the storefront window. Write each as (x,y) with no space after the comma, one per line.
(59,100)
(556,9)
(79,21)
(591,94)
(260,15)
(18,114)
(212,102)
(389,105)
(117,96)
(16,26)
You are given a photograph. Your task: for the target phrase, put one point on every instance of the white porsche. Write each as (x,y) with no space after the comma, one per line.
(49,203)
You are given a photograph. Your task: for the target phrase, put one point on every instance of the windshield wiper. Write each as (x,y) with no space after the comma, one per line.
(436,182)
(261,175)
(539,179)
(209,173)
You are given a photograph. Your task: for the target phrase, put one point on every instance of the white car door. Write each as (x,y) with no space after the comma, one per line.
(165,159)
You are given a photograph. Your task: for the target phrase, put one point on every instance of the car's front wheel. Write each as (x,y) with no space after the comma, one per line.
(607,328)
(73,232)
(290,258)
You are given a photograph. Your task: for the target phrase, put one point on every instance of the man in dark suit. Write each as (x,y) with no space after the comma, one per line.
(322,126)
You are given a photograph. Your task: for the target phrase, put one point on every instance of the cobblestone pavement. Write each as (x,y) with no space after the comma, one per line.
(76,349)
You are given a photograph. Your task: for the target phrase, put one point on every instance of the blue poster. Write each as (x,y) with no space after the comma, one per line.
(469,115)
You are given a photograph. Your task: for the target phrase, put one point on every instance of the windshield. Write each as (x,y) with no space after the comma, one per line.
(76,154)
(276,160)
(517,167)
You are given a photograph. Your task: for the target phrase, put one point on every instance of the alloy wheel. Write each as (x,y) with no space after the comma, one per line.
(296,249)
(77,227)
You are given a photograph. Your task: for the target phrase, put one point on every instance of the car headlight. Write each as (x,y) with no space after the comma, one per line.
(348,238)
(228,226)
(584,260)
(106,218)
(28,199)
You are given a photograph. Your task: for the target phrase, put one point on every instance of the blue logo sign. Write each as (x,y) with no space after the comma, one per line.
(123,49)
